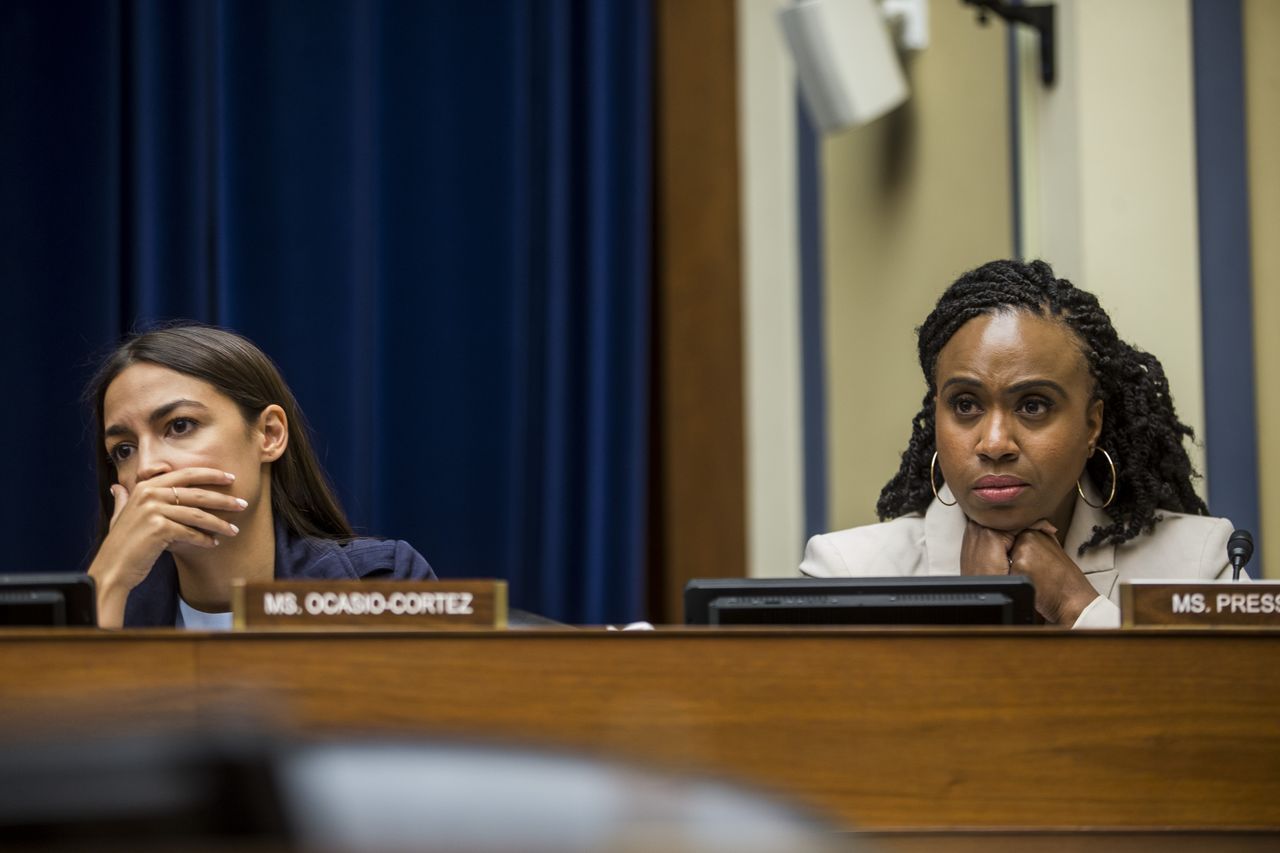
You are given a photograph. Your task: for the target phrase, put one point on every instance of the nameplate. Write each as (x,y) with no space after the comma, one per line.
(374,605)
(1206,604)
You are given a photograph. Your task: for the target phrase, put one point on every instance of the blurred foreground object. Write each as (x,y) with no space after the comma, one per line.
(212,792)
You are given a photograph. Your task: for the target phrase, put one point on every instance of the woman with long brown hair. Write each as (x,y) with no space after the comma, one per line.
(206,474)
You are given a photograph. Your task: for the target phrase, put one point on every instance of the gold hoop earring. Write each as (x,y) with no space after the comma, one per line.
(934,483)
(1111,496)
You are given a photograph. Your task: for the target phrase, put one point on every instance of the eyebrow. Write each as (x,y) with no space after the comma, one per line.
(1015,388)
(158,415)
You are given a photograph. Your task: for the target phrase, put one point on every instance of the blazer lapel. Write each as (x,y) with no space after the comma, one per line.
(1099,562)
(943,535)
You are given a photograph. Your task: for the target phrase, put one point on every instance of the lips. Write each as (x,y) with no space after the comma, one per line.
(998,489)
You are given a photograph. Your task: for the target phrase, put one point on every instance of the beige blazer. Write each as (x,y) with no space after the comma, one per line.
(1183,547)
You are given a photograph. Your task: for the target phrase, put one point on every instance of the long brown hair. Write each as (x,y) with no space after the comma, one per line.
(300,493)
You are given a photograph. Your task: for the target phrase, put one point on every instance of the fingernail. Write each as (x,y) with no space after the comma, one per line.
(235,529)
(216,541)
(230,476)
(242,502)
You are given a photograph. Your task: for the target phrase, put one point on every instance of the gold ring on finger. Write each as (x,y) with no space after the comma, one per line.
(176,502)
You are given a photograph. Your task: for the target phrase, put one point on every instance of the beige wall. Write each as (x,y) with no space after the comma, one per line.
(910,202)
(1262,105)
(770,293)
(1110,174)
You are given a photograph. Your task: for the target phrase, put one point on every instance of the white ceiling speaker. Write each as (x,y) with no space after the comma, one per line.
(846,59)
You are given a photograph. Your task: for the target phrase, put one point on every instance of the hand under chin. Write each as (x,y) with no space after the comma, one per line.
(1009,524)
(1006,521)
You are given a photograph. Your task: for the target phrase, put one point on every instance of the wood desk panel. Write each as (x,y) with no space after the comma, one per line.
(883,729)
(97,680)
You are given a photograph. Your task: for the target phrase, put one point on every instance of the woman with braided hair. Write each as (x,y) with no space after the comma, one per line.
(1046,446)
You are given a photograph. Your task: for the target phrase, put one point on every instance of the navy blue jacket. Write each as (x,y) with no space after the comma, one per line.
(154,602)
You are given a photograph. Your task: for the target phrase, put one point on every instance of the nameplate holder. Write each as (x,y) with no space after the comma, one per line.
(369,605)
(1209,604)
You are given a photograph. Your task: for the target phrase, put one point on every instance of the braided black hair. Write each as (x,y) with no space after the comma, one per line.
(1140,427)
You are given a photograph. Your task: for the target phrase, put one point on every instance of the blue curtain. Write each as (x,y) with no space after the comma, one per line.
(433,215)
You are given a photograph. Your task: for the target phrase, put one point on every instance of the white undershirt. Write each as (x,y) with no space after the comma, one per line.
(198,620)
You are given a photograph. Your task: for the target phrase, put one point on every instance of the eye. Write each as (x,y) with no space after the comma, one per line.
(964,405)
(118,454)
(1036,406)
(181,426)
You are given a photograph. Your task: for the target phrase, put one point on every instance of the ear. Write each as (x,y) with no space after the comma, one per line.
(1094,421)
(273,430)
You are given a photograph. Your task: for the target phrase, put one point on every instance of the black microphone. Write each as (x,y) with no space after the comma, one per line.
(1239,549)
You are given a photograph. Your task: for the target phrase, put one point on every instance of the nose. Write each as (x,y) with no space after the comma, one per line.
(996,439)
(152,460)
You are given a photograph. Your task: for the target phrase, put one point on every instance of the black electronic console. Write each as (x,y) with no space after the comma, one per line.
(984,600)
(47,601)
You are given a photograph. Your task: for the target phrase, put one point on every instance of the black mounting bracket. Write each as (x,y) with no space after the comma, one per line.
(1041,18)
